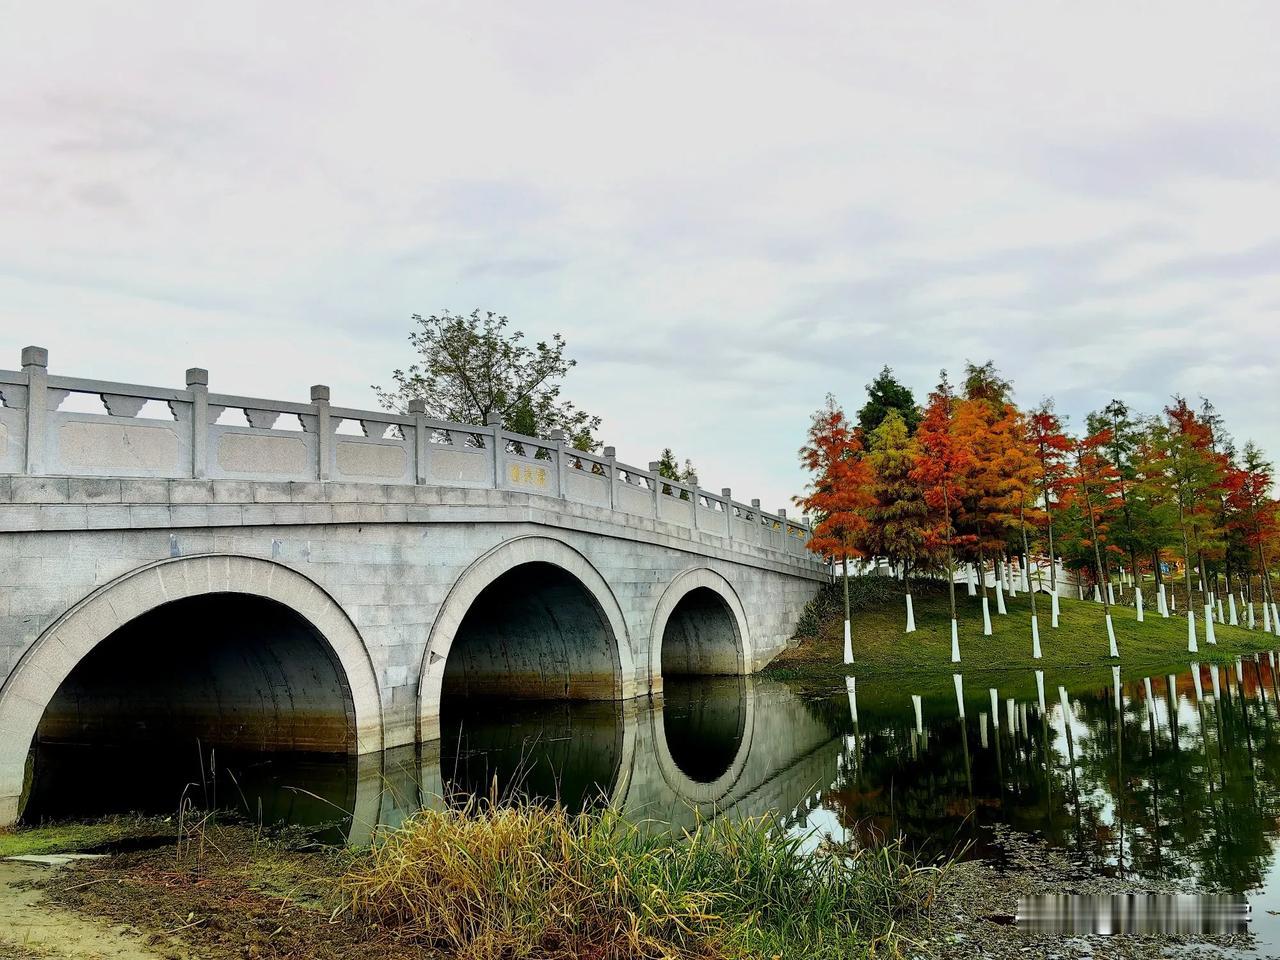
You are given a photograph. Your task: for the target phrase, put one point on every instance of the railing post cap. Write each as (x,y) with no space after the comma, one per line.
(197,376)
(493,420)
(726,493)
(610,453)
(417,405)
(319,393)
(557,434)
(653,466)
(35,357)
(782,512)
(755,502)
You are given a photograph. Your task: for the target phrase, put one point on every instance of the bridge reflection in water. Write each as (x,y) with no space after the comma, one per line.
(737,745)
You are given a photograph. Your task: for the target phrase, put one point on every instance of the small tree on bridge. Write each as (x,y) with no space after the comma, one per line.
(473,368)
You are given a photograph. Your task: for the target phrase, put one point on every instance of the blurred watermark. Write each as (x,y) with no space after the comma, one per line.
(1134,913)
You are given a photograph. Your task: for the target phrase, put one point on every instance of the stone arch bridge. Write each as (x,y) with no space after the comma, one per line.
(306,577)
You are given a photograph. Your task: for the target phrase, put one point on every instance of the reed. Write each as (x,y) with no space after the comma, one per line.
(517,879)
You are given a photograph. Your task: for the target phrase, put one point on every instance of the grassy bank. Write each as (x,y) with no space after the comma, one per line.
(529,881)
(881,646)
(484,882)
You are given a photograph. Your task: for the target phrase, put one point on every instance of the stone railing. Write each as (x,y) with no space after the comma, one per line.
(160,432)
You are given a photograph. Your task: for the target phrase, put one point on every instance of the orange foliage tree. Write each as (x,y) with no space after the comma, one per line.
(941,464)
(840,489)
(1051,447)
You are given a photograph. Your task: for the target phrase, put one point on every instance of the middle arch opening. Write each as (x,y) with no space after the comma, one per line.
(701,637)
(534,633)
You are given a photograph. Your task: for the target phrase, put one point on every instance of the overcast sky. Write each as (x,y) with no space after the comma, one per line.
(728,209)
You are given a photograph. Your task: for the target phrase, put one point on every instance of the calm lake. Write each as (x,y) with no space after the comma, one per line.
(1173,776)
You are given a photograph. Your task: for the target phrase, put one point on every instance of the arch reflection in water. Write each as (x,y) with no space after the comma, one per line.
(703,720)
(565,751)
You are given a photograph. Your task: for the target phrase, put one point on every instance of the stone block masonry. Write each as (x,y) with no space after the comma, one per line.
(380,537)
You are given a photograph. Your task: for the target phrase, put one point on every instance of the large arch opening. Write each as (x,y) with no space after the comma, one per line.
(233,698)
(536,639)
(701,637)
(534,633)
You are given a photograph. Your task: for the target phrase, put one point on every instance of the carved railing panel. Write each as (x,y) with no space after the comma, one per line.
(126,430)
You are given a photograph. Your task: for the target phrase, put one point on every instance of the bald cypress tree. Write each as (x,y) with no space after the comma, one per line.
(897,516)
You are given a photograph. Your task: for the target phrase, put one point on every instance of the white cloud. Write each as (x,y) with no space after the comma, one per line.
(727,209)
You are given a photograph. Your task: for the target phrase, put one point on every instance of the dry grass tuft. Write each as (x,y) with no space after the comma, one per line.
(517,879)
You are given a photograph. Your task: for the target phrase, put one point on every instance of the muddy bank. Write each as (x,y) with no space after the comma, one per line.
(976,915)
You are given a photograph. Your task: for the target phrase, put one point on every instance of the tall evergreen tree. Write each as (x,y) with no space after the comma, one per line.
(886,393)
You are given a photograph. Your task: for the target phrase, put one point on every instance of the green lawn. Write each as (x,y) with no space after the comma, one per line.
(880,645)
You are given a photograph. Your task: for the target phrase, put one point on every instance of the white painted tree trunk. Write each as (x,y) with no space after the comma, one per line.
(1192,645)
(1111,594)
(1040,689)
(1162,601)
(1266,617)
(1011,714)
(971,579)
(1209,637)
(1213,678)
(915,702)
(1137,600)
(1221,618)
(851,685)
(911,616)
(986,618)
(1233,618)
(1053,603)
(1111,637)
(1249,621)
(848,643)
(1151,700)
(1000,608)
(982,728)
(1195,680)
(958,680)
(1035,637)
(1275,617)
(995,707)
(1026,575)
(1115,686)
(955,641)
(1067,718)
(1097,594)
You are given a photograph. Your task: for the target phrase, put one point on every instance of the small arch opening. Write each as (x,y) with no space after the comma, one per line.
(701,637)
(234,699)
